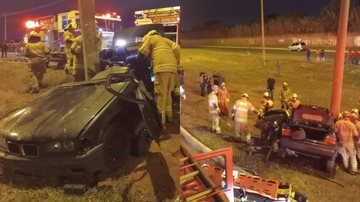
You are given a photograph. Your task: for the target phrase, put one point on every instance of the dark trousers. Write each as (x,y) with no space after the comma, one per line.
(3,53)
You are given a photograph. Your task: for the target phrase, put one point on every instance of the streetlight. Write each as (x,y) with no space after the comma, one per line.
(5,30)
(262,32)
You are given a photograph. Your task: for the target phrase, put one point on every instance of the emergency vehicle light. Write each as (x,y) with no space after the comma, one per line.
(31,24)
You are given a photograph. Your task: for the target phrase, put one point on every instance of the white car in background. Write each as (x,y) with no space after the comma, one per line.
(297,46)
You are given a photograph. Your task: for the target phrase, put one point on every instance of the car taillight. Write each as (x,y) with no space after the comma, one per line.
(286,132)
(330,139)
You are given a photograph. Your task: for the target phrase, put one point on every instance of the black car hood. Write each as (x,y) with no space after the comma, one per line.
(61,114)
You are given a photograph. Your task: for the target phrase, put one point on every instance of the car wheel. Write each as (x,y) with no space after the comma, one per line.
(331,167)
(141,142)
(116,147)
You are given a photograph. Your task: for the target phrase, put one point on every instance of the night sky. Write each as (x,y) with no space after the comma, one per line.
(125,8)
(197,12)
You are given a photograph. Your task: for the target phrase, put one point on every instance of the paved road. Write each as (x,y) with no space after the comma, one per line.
(274,52)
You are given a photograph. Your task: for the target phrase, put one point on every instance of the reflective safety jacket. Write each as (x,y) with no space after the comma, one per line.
(240,110)
(164,53)
(345,131)
(213,103)
(285,94)
(36,52)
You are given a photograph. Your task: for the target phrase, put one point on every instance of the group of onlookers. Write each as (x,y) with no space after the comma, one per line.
(320,55)
(353,57)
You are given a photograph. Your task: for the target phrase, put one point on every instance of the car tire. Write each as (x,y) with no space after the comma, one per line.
(140,144)
(330,167)
(116,147)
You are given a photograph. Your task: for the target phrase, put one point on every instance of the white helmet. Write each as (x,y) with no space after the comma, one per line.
(266,94)
(245,95)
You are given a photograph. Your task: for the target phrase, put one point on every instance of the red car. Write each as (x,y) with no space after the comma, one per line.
(308,132)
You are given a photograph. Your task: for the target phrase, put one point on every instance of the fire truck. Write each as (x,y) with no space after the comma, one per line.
(51,31)
(169,17)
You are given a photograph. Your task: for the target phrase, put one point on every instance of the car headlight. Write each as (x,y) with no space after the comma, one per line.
(68,145)
(55,146)
(120,43)
(63,146)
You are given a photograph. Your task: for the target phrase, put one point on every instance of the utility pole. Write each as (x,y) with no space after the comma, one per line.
(88,33)
(263,32)
(5,28)
(339,58)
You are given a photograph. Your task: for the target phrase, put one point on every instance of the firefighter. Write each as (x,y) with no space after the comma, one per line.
(36,51)
(224,99)
(348,137)
(214,110)
(165,58)
(76,48)
(240,116)
(266,104)
(4,49)
(294,102)
(354,117)
(68,40)
(285,94)
(98,36)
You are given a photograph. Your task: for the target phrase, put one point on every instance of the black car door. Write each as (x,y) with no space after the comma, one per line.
(149,111)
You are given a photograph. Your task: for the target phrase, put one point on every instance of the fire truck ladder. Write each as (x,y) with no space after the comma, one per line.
(195,183)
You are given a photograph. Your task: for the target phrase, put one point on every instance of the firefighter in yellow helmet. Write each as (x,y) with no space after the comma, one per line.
(98,36)
(78,73)
(240,116)
(165,58)
(293,103)
(348,136)
(285,95)
(68,40)
(214,110)
(266,104)
(36,51)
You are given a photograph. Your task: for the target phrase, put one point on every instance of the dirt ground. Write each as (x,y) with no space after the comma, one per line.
(150,178)
(245,73)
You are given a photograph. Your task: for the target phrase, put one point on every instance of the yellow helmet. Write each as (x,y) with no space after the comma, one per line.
(34,33)
(223,84)
(285,84)
(354,110)
(294,95)
(245,95)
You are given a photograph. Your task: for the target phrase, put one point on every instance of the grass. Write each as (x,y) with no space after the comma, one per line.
(245,73)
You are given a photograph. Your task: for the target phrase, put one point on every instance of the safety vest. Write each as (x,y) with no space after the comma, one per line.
(164,53)
(213,102)
(240,110)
